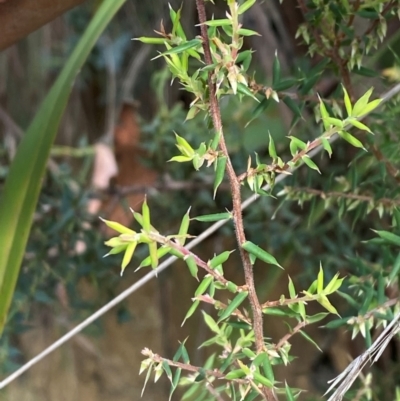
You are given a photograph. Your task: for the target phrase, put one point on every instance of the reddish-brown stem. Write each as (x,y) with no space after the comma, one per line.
(184,366)
(199,262)
(236,195)
(287,336)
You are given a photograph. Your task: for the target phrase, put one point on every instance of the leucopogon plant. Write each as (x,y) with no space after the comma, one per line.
(210,67)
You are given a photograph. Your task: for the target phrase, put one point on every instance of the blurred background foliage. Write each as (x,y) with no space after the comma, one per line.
(356,191)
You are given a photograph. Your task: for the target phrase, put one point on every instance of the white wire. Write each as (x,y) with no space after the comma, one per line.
(388,95)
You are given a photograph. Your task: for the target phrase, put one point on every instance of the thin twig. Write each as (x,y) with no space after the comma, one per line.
(199,262)
(333,194)
(186,366)
(287,336)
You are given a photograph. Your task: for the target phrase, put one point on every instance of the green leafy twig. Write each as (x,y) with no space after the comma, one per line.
(293,191)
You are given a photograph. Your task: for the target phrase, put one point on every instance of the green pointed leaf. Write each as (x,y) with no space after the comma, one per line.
(276,70)
(327,146)
(320,280)
(247,32)
(309,339)
(284,85)
(316,318)
(271,148)
(324,113)
(334,122)
(149,370)
(260,379)
(260,253)
(267,368)
(306,159)
(219,173)
(191,263)
(244,90)
(181,48)
(175,382)
(177,27)
(211,323)
(333,285)
(347,102)
(203,286)
(130,249)
(359,106)
(219,259)
(289,393)
(151,41)
(160,253)
(181,159)
(358,125)
(294,107)
(235,374)
(219,22)
(245,6)
(334,324)
(389,237)
(299,144)
(278,312)
(167,370)
(324,301)
(292,290)
(236,302)
(370,107)
(183,229)
(207,218)
(259,109)
(351,139)
(191,310)
(184,146)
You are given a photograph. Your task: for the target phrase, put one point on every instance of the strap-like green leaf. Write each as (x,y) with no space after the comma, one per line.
(22,187)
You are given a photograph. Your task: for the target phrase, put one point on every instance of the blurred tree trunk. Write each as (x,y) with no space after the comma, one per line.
(18,18)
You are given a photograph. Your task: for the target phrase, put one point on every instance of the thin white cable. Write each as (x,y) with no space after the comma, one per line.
(388,95)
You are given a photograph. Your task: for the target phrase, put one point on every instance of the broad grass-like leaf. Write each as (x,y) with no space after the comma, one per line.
(22,187)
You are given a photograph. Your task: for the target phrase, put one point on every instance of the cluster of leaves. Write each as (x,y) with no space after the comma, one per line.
(338,33)
(244,377)
(232,331)
(245,373)
(237,370)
